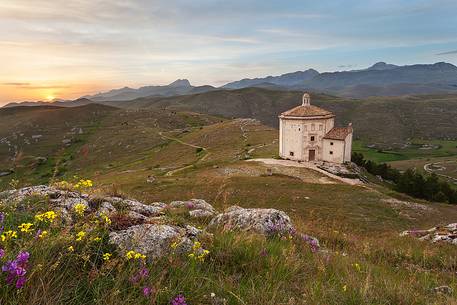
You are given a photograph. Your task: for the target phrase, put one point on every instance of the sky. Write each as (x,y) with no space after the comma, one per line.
(67,49)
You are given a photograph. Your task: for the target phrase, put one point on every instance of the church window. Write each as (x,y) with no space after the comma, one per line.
(291,153)
(331,152)
(312,138)
(331,143)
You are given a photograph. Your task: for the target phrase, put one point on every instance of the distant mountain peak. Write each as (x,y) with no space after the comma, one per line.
(382,66)
(180,83)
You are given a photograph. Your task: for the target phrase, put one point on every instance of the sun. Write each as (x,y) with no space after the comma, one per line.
(50,97)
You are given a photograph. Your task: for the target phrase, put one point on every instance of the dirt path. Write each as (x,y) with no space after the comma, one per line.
(308,166)
(200,159)
(428,170)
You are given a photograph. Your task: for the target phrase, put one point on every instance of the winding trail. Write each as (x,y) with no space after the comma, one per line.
(200,159)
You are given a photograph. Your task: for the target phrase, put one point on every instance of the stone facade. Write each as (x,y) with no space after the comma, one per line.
(307,133)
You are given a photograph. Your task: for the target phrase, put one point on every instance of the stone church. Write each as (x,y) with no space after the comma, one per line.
(307,133)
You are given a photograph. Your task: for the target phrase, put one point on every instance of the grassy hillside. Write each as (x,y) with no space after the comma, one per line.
(163,155)
(384,120)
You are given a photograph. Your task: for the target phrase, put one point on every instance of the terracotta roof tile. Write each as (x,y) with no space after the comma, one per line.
(305,111)
(338,133)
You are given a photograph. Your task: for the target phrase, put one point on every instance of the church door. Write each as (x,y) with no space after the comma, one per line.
(312,155)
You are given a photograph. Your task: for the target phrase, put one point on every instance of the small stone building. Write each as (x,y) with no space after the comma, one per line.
(307,133)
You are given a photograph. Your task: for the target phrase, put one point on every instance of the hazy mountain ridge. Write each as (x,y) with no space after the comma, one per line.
(178,87)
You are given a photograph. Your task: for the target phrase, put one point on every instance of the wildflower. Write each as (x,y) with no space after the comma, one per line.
(312,242)
(2,217)
(106,256)
(80,208)
(26,227)
(96,239)
(147,291)
(70,249)
(197,245)
(80,235)
(134,255)
(48,216)
(2,253)
(16,270)
(84,184)
(41,234)
(141,275)
(106,219)
(345,287)
(178,300)
(174,245)
(357,267)
(8,235)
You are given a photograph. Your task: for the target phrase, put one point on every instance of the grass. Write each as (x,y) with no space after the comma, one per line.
(241,268)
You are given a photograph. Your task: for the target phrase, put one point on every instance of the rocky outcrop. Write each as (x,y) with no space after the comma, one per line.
(267,222)
(437,234)
(155,240)
(150,229)
(198,208)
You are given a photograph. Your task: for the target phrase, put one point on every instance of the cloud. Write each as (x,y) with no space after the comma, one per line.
(448,53)
(16,84)
(34,87)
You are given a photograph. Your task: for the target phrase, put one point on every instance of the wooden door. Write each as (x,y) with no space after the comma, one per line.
(312,155)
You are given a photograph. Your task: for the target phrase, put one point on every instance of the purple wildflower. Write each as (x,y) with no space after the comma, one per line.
(16,270)
(2,253)
(147,291)
(38,233)
(2,217)
(263,252)
(312,242)
(141,275)
(178,300)
(190,205)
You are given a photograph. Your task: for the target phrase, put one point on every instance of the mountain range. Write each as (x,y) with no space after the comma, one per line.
(381,79)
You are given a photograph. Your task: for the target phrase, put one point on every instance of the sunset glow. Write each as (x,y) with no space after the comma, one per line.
(73,48)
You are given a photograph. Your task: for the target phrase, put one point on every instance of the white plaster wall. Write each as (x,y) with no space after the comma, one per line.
(348,148)
(295,136)
(337,148)
(292,139)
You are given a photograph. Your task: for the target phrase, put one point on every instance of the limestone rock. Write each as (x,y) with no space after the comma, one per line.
(198,208)
(154,240)
(263,221)
(446,233)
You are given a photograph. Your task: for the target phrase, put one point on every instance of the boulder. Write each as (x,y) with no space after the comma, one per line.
(446,234)
(153,240)
(267,222)
(154,209)
(198,208)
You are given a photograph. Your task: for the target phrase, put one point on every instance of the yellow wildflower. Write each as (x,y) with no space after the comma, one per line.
(357,267)
(106,256)
(106,219)
(26,227)
(71,249)
(80,235)
(84,184)
(345,287)
(174,245)
(8,235)
(96,239)
(80,209)
(48,216)
(197,245)
(191,255)
(43,234)
(134,255)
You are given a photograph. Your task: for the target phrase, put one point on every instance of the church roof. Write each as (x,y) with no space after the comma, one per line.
(307,111)
(338,133)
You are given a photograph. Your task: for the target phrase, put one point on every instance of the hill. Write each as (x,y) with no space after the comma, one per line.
(388,120)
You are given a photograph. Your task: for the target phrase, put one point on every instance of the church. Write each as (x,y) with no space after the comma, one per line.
(307,133)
